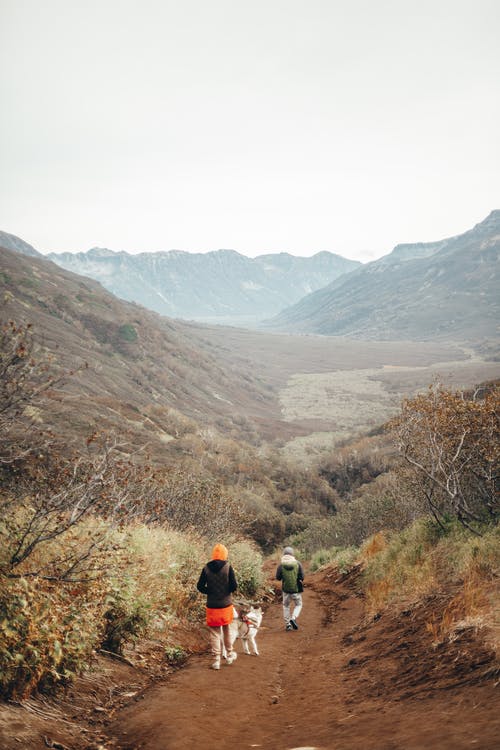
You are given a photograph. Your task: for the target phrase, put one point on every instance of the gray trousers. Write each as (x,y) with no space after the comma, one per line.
(288,599)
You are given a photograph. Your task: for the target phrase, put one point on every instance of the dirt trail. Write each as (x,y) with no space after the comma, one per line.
(332,685)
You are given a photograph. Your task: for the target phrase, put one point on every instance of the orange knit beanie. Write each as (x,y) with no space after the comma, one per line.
(220,552)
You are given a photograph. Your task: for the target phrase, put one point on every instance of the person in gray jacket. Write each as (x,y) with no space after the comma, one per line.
(291,575)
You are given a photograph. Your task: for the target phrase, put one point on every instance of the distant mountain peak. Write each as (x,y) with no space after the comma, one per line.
(12,242)
(102,252)
(493,219)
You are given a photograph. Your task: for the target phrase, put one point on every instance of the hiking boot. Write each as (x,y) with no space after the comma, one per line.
(289,626)
(216,664)
(294,624)
(232,657)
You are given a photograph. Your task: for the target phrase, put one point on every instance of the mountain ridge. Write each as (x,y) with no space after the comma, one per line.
(205,286)
(17,245)
(420,290)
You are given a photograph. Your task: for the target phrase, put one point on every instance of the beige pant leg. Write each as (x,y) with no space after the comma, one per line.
(215,642)
(228,643)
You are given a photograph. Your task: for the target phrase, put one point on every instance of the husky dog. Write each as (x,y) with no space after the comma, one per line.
(245,625)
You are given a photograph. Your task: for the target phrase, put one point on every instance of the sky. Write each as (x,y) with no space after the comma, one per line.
(257,125)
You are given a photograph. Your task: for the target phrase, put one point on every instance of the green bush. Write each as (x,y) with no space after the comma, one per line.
(320,558)
(125,620)
(127,332)
(175,655)
(342,558)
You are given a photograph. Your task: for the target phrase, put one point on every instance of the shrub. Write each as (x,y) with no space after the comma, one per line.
(357,463)
(247,564)
(267,529)
(50,629)
(342,558)
(320,558)
(188,501)
(381,504)
(126,619)
(47,634)
(127,332)
(320,534)
(451,442)
(175,655)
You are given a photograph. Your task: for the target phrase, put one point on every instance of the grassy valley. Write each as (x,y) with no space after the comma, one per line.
(331,389)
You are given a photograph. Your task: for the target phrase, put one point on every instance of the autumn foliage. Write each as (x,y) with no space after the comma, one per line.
(451,442)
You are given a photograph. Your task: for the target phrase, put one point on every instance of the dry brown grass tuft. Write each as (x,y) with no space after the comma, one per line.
(374,545)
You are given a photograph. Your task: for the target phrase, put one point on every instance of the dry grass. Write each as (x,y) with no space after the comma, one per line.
(374,545)
(352,401)
(474,606)
(419,563)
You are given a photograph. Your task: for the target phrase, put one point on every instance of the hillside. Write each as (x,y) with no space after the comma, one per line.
(222,286)
(447,289)
(146,374)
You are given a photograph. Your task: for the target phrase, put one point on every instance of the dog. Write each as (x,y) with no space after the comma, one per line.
(245,625)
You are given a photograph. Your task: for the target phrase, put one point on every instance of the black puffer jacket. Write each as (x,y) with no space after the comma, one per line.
(217,581)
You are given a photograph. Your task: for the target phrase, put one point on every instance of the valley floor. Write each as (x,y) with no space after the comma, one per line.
(338,683)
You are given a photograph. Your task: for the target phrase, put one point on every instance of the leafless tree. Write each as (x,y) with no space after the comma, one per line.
(185,500)
(451,441)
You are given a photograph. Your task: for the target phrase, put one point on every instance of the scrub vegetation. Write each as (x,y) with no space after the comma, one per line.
(422,523)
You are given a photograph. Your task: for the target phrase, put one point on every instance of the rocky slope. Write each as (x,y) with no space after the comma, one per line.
(446,289)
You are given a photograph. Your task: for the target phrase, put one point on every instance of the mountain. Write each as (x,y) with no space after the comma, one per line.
(11,242)
(219,286)
(148,376)
(448,288)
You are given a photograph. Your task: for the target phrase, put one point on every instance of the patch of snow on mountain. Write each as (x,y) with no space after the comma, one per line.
(251,286)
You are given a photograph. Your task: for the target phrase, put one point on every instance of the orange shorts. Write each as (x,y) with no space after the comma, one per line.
(217,617)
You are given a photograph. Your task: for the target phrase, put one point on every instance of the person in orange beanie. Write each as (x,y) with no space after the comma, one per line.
(217,581)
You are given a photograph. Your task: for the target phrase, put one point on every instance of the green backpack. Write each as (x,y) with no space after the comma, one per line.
(289,576)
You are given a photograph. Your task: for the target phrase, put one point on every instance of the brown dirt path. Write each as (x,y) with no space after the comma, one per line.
(333,685)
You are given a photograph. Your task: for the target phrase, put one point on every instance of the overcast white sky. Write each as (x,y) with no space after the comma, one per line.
(257,125)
